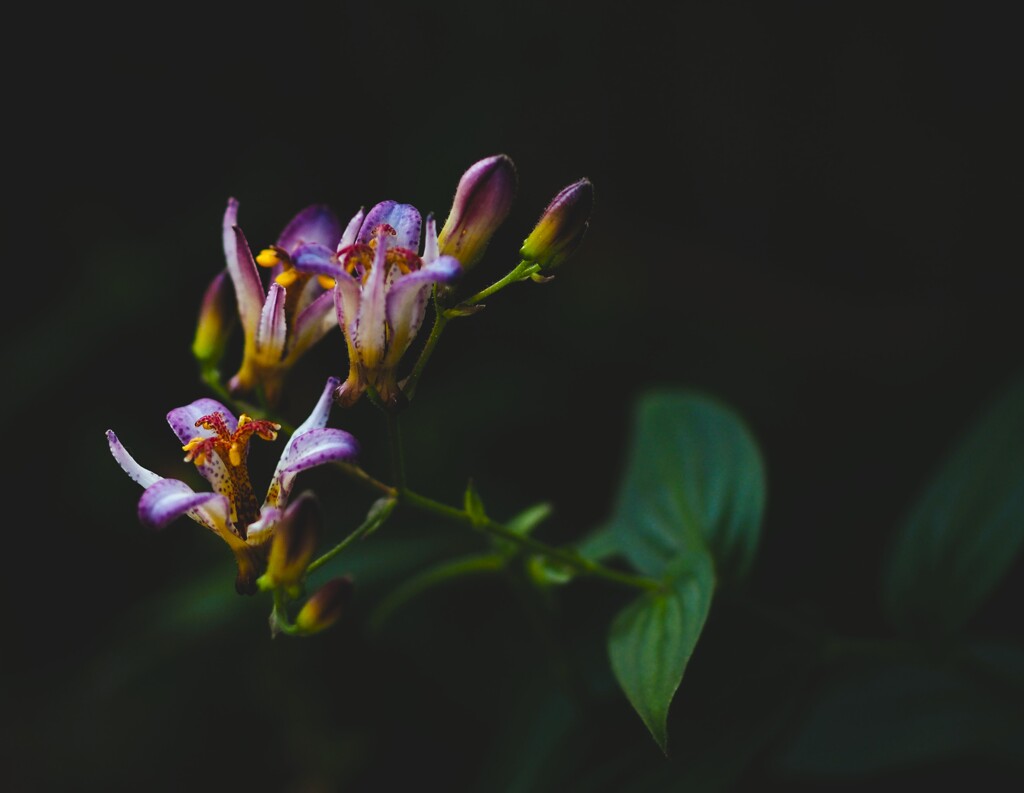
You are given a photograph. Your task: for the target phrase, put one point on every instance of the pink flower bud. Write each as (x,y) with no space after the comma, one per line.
(561,228)
(482,202)
(325,607)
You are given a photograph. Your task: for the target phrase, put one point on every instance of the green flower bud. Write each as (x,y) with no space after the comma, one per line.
(482,202)
(294,543)
(561,228)
(326,605)
(217,316)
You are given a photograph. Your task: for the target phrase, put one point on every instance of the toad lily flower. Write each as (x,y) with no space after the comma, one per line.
(218,444)
(282,321)
(381,291)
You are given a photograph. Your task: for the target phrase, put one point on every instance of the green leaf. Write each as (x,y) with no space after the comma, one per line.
(694,479)
(965,531)
(880,716)
(652,639)
(474,505)
(531,517)
(599,545)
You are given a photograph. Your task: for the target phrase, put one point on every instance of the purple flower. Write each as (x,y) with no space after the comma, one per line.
(381,290)
(281,321)
(218,444)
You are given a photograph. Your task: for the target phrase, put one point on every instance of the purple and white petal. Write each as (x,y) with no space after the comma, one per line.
(370,333)
(407,303)
(308,450)
(351,233)
(315,321)
(318,416)
(403,218)
(143,476)
(270,516)
(242,269)
(315,224)
(347,295)
(318,259)
(273,331)
(430,249)
(169,499)
(183,420)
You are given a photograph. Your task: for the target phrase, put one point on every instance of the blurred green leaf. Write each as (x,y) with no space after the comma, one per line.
(652,639)
(474,505)
(694,479)
(531,517)
(965,531)
(599,545)
(547,572)
(879,716)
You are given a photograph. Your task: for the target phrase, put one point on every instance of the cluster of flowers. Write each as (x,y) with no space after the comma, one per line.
(372,279)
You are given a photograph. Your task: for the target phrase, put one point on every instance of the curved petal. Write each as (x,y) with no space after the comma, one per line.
(347,296)
(370,333)
(183,420)
(273,331)
(243,272)
(143,476)
(270,516)
(348,237)
(318,416)
(403,218)
(313,257)
(314,224)
(169,499)
(430,249)
(315,321)
(277,494)
(407,303)
(308,450)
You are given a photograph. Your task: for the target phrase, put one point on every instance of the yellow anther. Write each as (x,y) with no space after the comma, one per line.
(243,420)
(191,444)
(268,258)
(199,459)
(235,454)
(325,281)
(288,277)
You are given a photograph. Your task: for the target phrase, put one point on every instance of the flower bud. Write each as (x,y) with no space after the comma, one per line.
(562,226)
(217,317)
(295,540)
(325,607)
(482,202)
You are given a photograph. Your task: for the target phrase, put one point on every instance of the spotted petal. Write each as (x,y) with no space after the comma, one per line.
(315,321)
(169,499)
(272,333)
(242,269)
(348,237)
(312,257)
(314,224)
(143,476)
(404,218)
(183,422)
(311,444)
(407,302)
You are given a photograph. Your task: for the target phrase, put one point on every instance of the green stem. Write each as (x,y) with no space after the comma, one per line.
(440,321)
(520,272)
(456,568)
(488,526)
(279,617)
(357,474)
(372,522)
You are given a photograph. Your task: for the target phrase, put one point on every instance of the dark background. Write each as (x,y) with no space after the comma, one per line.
(810,211)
